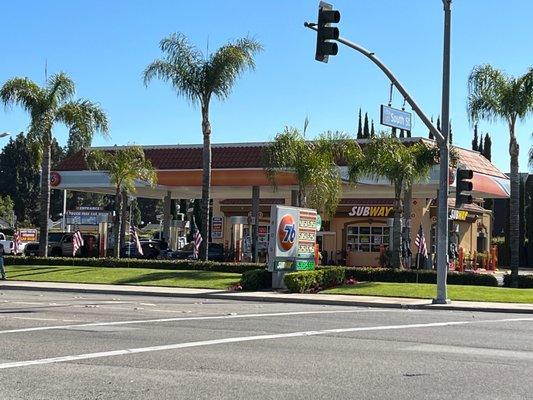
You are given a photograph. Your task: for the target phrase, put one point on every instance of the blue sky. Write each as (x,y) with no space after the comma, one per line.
(105,45)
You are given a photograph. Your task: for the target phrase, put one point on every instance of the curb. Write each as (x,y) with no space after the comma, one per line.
(293,300)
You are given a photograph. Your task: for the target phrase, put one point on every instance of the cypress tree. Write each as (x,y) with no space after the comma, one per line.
(366,131)
(431,134)
(438,124)
(475,140)
(393,132)
(372,132)
(450,136)
(359,127)
(402,134)
(480,145)
(408,133)
(487,145)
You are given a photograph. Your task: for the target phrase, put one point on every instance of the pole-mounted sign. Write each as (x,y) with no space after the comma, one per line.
(395,118)
(292,239)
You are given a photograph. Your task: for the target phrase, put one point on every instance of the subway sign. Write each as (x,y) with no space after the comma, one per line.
(372,211)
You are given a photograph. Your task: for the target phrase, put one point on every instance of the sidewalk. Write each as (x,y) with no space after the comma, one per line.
(322,299)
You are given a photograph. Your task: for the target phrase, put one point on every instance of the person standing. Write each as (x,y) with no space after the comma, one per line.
(2,269)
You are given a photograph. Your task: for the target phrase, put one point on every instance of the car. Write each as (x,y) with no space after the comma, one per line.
(215,253)
(60,245)
(151,249)
(8,246)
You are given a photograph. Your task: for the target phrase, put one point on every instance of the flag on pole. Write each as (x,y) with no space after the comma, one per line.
(420,242)
(77,242)
(16,242)
(196,239)
(135,239)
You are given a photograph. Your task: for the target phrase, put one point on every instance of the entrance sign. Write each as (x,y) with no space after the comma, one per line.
(395,118)
(292,238)
(217,228)
(80,217)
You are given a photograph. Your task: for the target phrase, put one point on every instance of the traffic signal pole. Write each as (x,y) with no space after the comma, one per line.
(442,140)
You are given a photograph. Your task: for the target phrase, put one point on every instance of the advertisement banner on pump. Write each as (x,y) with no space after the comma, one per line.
(292,238)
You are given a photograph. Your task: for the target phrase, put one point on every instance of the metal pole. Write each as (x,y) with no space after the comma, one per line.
(64,220)
(442,218)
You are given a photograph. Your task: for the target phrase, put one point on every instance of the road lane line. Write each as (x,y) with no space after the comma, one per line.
(37,319)
(213,317)
(203,343)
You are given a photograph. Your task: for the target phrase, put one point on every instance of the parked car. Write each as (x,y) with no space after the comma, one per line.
(60,245)
(151,249)
(9,246)
(215,252)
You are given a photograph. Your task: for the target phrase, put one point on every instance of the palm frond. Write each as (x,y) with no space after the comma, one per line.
(23,92)
(60,88)
(227,64)
(84,118)
(487,86)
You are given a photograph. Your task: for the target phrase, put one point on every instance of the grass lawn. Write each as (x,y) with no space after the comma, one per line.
(428,291)
(124,276)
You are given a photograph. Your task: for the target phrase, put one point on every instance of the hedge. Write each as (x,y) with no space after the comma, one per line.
(133,263)
(424,276)
(524,281)
(256,279)
(305,281)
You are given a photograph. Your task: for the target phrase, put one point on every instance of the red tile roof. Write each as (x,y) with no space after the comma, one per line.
(248,155)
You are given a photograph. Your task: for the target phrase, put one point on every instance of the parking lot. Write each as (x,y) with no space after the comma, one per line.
(80,346)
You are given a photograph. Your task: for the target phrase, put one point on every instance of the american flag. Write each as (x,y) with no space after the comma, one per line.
(16,242)
(420,242)
(135,238)
(196,239)
(77,242)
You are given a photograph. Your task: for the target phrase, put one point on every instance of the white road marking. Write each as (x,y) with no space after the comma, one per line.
(37,319)
(114,353)
(215,317)
(472,351)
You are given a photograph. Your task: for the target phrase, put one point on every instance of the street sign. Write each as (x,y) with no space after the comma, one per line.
(217,228)
(292,238)
(395,118)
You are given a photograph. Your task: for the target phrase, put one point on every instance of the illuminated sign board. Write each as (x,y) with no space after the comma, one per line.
(292,238)
(372,211)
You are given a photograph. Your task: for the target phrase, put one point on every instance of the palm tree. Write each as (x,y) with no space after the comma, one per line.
(315,164)
(124,166)
(387,157)
(198,78)
(48,105)
(494,95)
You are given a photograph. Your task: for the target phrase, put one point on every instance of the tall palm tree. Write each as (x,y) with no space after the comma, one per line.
(494,95)
(197,78)
(48,105)
(315,164)
(387,157)
(124,166)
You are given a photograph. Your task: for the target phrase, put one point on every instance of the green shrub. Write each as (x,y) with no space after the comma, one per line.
(424,276)
(332,276)
(256,279)
(133,263)
(524,281)
(305,281)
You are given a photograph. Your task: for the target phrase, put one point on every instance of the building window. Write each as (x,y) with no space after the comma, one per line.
(366,238)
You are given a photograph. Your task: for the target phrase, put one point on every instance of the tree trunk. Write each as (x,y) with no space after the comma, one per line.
(407,206)
(206,180)
(397,229)
(514,206)
(118,221)
(45,199)
(123,217)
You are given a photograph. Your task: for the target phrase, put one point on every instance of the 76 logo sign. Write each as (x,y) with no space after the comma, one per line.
(287,232)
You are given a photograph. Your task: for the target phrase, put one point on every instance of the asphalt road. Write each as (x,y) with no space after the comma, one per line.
(79,346)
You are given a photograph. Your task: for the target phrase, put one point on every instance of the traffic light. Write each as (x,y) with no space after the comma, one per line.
(463,185)
(325,32)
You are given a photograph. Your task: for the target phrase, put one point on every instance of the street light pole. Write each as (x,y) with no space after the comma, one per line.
(442,217)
